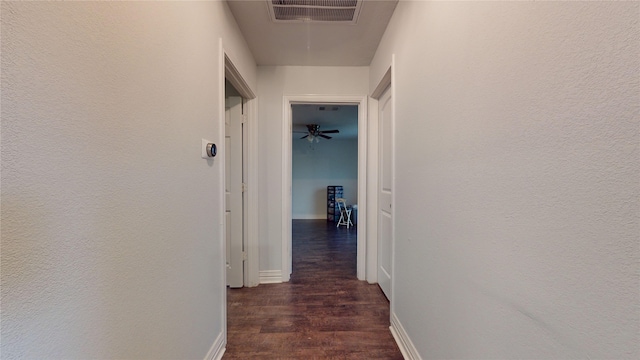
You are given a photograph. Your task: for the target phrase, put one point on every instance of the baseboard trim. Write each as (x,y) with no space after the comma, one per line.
(217,349)
(405,344)
(270,276)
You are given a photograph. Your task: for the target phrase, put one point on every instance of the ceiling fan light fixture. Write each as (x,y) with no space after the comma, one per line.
(314,133)
(313,139)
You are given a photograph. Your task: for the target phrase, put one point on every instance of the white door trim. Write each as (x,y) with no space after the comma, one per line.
(234,198)
(231,73)
(372,193)
(372,173)
(386,82)
(222,203)
(252,266)
(361,102)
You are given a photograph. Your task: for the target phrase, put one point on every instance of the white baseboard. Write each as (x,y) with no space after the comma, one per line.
(270,276)
(405,344)
(217,349)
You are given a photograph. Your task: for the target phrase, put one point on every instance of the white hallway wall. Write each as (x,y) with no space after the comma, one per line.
(273,83)
(314,167)
(111,236)
(517,178)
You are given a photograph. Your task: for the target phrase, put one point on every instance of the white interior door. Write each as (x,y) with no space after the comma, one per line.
(385,186)
(233,191)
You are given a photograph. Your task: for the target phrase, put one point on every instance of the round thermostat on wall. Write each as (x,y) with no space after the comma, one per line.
(212,149)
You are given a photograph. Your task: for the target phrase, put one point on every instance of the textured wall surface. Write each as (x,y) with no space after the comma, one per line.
(273,83)
(314,167)
(111,236)
(518,176)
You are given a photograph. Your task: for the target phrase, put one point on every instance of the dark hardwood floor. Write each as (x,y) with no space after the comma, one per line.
(323,312)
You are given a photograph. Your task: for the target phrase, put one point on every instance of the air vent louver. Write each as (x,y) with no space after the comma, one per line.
(319,3)
(323,11)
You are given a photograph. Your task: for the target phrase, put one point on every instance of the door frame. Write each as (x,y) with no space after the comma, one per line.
(361,102)
(386,82)
(250,213)
(234,114)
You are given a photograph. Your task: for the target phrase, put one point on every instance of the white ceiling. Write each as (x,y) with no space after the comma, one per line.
(312,44)
(344,119)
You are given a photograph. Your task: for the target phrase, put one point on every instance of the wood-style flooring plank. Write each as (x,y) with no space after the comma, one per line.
(323,312)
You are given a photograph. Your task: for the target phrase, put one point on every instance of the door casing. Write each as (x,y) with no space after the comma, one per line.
(228,70)
(361,102)
(367,252)
(234,197)
(374,171)
(385,191)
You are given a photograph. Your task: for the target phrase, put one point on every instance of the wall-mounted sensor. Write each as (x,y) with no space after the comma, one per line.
(209,149)
(212,149)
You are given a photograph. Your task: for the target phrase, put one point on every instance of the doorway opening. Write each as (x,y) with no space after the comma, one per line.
(324,153)
(324,173)
(312,103)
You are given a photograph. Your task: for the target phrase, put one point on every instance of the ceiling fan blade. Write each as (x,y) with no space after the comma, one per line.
(304,137)
(330,131)
(300,131)
(325,136)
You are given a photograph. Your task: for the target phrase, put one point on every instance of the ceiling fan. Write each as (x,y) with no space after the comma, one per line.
(314,133)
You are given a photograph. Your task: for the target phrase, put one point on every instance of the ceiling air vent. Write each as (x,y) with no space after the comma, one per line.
(315,11)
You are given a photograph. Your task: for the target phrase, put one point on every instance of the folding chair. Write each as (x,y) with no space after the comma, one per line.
(345,213)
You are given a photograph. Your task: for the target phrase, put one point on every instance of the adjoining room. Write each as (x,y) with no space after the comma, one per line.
(324,154)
